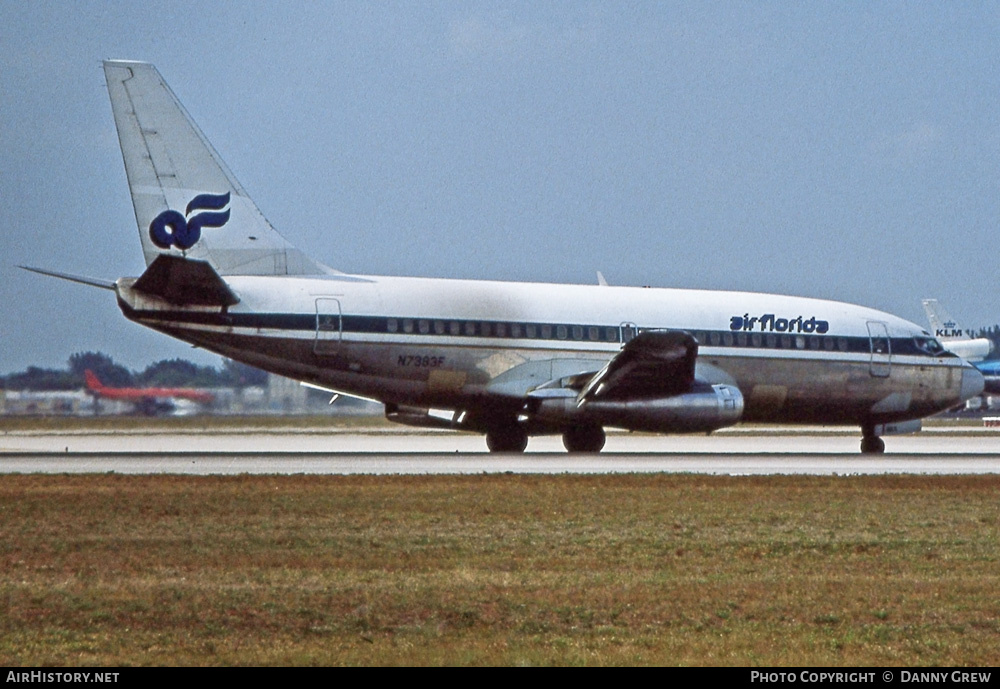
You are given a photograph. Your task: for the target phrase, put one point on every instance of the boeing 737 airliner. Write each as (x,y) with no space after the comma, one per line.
(508,360)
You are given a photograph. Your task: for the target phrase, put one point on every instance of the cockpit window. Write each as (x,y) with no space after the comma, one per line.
(929,345)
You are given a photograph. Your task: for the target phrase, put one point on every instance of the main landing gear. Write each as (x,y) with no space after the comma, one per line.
(871,444)
(514,438)
(584,439)
(507,439)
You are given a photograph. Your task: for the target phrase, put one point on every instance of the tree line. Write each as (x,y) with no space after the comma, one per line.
(164,373)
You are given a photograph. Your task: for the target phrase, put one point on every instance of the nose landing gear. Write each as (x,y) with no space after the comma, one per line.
(871,444)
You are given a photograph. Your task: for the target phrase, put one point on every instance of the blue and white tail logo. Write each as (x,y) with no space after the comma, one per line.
(170,228)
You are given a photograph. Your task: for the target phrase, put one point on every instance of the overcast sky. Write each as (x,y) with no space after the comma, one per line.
(846,150)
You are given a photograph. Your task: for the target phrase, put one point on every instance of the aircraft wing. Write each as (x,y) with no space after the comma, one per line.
(649,385)
(652,364)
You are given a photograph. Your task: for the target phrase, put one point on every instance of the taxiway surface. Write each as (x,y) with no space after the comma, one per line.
(322,451)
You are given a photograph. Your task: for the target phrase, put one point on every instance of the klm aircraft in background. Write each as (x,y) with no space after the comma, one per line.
(952,337)
(960,343)
(508,360)
(991,375)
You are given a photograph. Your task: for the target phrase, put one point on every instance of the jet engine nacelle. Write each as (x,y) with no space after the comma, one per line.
(703,409)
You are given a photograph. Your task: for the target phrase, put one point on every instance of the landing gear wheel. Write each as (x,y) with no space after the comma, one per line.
(508,439)
(584,439)
(872,445)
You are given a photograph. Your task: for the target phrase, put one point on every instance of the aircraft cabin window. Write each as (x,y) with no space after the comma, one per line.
(561,332)
(727,339)
(828,345)
(439,327)
(454,328)
(577,332)
(531,330)
(470,328)
(800,342)
(713,338)
(741,339)
(425,327)
(515,330)
(842,344)
(611,334)
(546,332)
(755,340)
(501,330)
(594,333)
(392,325)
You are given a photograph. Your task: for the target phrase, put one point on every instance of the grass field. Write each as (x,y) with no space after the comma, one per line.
(499,570)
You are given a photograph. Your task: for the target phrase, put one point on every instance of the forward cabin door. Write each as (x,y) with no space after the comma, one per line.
(329,326)
(881,349)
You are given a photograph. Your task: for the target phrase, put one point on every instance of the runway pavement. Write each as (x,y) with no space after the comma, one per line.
(322,451)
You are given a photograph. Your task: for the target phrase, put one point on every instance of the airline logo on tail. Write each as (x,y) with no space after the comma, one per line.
(170,228)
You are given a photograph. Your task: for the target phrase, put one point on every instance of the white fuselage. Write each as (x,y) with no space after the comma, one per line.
(466,345)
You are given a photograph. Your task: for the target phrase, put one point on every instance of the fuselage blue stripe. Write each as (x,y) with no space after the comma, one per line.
(472,330)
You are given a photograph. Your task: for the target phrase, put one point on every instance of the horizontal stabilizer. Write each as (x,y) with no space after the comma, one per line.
(93,282)
(185,282)
(338,393)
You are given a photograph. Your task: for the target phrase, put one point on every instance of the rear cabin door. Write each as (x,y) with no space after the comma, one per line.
(329,326)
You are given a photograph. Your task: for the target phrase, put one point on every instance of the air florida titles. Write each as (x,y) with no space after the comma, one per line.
(769,323)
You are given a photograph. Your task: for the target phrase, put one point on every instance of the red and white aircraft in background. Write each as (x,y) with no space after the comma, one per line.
(150,401)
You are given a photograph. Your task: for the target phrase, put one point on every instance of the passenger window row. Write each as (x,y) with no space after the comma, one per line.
(604,333)
(774,341)
(531,331)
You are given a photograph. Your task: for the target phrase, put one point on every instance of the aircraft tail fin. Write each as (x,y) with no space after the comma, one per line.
(943,326)
(93,382)
(187,202)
